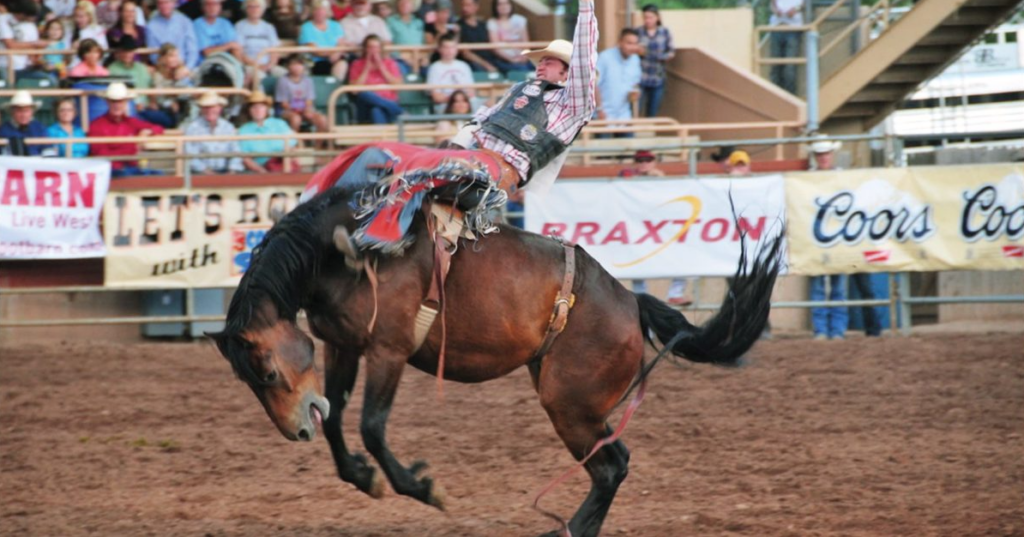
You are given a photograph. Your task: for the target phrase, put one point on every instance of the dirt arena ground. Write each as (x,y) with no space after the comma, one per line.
(911,436)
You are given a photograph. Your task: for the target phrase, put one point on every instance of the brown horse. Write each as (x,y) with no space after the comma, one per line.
(498,302)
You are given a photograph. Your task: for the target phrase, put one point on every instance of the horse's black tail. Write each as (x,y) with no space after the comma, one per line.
(724,338)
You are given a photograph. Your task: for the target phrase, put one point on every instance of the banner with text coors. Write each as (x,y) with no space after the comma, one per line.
(203,237)
(663,227)
(50,208)
(907,219)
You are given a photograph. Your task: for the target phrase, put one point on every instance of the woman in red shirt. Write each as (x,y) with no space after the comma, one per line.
(375,67)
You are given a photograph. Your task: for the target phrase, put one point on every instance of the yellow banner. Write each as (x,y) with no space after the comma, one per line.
(906,219)
(203,238)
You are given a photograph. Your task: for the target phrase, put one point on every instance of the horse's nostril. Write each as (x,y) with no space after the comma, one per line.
(305,435)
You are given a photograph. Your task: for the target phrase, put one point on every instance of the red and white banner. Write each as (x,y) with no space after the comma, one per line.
(50,208)
(661,228)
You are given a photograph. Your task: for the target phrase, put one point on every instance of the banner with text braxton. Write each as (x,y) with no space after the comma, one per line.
(50,208)
(202,238)
(664,227)
(907,219)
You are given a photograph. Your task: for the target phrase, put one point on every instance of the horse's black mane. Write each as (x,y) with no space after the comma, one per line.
(284,262)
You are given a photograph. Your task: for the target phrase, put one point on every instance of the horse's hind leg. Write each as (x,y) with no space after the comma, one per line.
(340,371)
(382,376)
(578,395)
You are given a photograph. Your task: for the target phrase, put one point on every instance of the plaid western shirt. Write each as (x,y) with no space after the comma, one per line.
(659,49)
(568,108)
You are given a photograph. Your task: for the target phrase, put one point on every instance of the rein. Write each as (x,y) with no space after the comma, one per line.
(638,398)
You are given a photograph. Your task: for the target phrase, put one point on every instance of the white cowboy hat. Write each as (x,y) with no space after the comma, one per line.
(211,99)
(118,92)
(559,48)
(22,98)
(824,146)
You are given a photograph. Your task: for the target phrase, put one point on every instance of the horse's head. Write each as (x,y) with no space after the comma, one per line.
(261,339)
(275,358)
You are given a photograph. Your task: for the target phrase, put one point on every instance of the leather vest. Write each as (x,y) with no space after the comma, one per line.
(522,121)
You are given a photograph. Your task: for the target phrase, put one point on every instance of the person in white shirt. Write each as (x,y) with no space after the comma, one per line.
(786,44)
(18,31)
(448,70)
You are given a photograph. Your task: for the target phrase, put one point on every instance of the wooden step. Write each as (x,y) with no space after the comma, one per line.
(975,16)
(882,93)
(919,55)
(908,74)
(858,110)
(950,35)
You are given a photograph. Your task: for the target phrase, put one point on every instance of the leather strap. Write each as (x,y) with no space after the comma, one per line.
(509,180)
(563,303)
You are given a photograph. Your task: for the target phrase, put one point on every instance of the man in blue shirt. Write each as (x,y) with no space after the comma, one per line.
(169,26)
(23,125)
(214,33)
(618,82)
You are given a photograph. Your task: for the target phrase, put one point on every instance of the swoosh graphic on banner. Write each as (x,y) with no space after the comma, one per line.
(696,204)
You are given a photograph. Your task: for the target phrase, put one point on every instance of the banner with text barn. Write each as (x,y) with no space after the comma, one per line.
(925,218)
(203,237)
(662,227)
(50,208)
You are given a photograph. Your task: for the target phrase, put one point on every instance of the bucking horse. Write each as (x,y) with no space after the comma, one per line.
(467,310)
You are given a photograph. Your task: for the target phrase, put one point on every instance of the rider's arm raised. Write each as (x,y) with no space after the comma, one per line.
(579,95)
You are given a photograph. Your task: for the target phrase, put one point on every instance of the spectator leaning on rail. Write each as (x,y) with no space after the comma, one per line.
(66,127)
(321,31)
(168,25)
(117,122)
(533,125)
(361,24)
(828,323)
(507,26)
(209,123)
(18,31)
(448,70)
(474,30)
(261,124)
(406,29)
(23,125)
(214,33)
(257,35)
(618,85)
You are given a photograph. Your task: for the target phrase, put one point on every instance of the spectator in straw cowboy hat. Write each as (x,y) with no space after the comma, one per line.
(261,123)
(117,122)
(23,125)
(210,123)
(827,323)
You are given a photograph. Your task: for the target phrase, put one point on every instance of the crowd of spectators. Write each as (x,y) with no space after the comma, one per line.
(99,41)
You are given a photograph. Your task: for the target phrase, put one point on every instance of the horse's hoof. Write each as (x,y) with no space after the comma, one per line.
(437,495)
(376,490)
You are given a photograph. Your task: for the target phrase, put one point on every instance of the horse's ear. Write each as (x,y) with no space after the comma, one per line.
(344,243)
(221,339)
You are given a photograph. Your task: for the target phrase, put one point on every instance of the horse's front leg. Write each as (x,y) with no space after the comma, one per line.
(340,370)
(382,376)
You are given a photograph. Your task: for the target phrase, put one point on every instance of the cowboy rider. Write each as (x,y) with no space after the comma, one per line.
(533,125)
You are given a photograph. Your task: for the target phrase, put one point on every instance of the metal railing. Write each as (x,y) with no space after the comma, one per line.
(899,301)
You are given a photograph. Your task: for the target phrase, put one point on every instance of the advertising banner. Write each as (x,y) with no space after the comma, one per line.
(663,227)
(50,208)
(204,237)
(907,219)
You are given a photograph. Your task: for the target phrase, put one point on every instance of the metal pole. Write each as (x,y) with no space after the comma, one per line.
(893,304)
(903,291)
(811,49)
(400,122)
(691,159)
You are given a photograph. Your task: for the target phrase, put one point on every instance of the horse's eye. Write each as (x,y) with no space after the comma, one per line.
(270,377)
